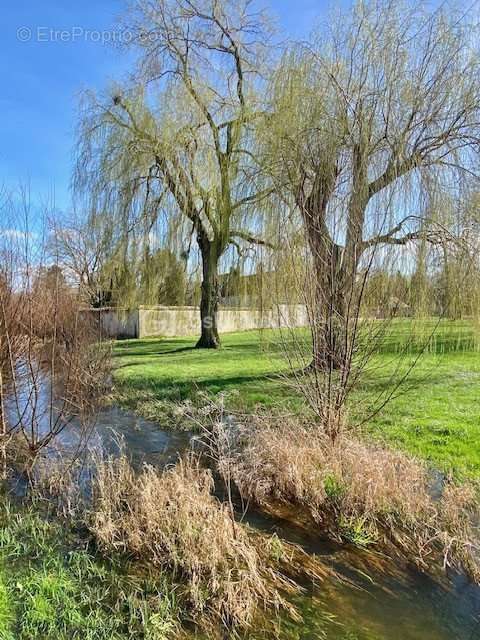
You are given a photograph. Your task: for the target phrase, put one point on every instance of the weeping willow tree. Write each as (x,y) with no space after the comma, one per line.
(180,140)
(370,117)
(455,282)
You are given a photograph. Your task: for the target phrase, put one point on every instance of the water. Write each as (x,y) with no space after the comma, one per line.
(144,442)
(38,414)
(374,599)
(377,600)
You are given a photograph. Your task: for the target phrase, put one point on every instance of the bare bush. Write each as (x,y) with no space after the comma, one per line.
(52,368)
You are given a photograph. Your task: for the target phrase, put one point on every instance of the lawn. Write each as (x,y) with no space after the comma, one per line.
(173,370)
(435,413)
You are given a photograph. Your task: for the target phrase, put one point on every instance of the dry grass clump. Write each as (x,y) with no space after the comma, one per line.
(360,492)
(172,520)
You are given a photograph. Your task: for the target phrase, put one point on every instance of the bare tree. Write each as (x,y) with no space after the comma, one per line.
(82,246)
(52,367)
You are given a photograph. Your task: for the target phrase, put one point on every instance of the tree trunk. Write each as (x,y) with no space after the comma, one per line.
(210,253)
(335,269)
(329,308)
(328,302)
(327,315)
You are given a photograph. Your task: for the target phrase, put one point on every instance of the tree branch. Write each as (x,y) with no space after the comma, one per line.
(255,197)
(251,239)
(395,169)
(432,236)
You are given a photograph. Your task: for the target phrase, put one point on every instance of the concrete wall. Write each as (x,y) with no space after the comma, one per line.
(116,323)
(185,321)
(168,321)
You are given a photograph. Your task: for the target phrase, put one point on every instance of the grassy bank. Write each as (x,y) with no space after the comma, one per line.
(53,586)
(149,555)
(434,414)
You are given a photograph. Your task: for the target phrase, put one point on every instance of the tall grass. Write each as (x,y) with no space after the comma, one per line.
(361,493)
(173,521)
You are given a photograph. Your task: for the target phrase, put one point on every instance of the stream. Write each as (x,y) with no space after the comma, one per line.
(369,604)
(403,604)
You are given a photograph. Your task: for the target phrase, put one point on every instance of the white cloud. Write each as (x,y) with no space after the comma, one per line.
(17,234)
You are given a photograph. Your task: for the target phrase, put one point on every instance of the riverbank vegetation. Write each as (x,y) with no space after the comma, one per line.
(434,414)
(358,492)
(172,521)
(338,175)
(54,585)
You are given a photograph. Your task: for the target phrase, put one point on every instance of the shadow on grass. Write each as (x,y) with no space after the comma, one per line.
(176,390)
(413,381)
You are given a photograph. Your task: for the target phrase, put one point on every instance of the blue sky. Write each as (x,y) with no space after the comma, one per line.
(43,76)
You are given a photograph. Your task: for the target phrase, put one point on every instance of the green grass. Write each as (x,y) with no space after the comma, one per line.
(53,588)
(152,371)
(434,414)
